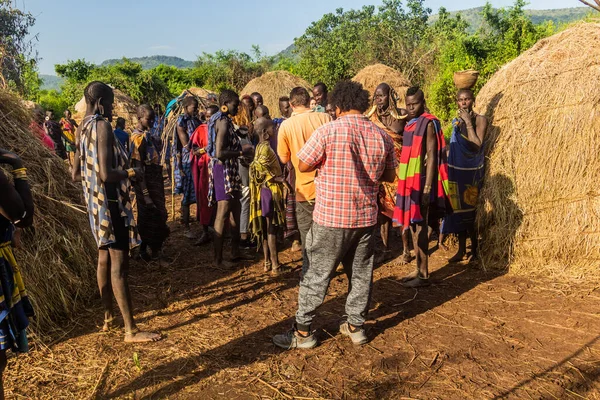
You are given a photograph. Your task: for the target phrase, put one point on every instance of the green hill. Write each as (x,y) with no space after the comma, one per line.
(51,82)
(154,61)
(558,16)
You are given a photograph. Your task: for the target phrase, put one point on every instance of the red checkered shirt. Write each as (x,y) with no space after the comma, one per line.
(351,154)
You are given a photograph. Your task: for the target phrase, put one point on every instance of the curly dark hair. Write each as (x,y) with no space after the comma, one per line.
(350,95)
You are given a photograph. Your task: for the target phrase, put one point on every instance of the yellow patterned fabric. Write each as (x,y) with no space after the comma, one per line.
(143,149)
(263,171)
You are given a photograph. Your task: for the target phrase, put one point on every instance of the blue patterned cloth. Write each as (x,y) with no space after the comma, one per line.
(465,177)
(15,308)
(182,170)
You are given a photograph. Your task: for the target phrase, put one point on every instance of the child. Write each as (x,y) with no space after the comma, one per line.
(267,200)
(261,112)
(150,190)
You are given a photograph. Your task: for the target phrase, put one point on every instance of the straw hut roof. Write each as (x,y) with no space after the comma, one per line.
(273,85)
(370,77)
(540,201)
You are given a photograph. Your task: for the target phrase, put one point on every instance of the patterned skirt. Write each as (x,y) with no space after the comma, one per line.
(15,308)
(152,221)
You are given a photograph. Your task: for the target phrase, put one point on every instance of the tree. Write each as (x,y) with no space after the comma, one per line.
(17,58)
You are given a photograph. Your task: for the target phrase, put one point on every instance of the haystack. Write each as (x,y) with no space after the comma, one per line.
(541,201)
(370,77)
(199,92)
(124,107)
(272,86)
(58,260)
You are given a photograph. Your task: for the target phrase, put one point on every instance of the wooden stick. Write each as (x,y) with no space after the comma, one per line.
(93,394)
(595,7)
(287,396)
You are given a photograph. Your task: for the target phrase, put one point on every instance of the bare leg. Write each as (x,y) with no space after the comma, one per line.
(119,273)
(223,210)
(2,368)
(441,241)
(462,248)
(272,242)
(406,258)
(104,284)
(474,243)
(234,226)
(385,231)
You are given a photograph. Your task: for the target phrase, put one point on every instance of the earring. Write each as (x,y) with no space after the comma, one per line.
(224,109)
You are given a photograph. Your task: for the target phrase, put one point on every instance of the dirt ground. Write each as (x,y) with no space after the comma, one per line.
(471,335)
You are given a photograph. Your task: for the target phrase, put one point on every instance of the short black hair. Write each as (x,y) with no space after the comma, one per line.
(213,108)
(468,91)
(299,97)
(227,96)
(284,99)
(145,109)
(120,122)
(189,100)
(264,109)
(349,95)
(415,90)
(253,94)
(96,89)
(322,86)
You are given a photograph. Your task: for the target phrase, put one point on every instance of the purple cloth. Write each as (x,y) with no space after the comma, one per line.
(266,202)
(219,179)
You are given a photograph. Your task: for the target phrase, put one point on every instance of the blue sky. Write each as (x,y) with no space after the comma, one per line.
(99,30)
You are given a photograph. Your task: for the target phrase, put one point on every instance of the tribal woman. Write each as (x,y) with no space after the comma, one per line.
(150,190)
(386,115)
(16,210)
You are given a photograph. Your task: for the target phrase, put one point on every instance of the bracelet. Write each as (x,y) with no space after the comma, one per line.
(427,188)
(145,192)
(20,173)
(130,173)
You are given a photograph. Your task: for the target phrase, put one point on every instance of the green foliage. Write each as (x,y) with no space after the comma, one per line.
(340,44)
(53,100)
(17,58)
(503,35)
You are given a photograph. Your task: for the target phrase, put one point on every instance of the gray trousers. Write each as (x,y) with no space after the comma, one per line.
(304,212)
(326,248)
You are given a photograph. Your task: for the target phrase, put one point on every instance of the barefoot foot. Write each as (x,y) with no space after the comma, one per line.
(458,257)
(137,336)
(410,277)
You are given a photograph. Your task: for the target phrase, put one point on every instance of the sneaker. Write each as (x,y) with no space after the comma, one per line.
(357,335)
(292,340)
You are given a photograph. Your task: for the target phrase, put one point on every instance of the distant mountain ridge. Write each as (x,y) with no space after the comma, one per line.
(557,16)
(150,62)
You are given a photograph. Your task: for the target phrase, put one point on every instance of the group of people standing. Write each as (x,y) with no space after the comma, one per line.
(326,175)
(330,177)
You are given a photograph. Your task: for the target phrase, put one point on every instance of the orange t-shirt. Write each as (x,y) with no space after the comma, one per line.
(293,134)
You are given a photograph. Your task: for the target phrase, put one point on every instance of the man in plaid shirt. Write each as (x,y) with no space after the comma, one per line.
(352,156)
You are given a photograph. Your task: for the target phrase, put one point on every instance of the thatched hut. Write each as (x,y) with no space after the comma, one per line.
(58,259)
(272,86)
(199,92)
(370,77)
(124,107)
(540,202)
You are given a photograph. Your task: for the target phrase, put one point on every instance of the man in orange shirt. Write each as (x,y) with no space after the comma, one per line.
(294,132)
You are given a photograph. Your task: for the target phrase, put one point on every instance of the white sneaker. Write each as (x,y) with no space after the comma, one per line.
(358,336)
